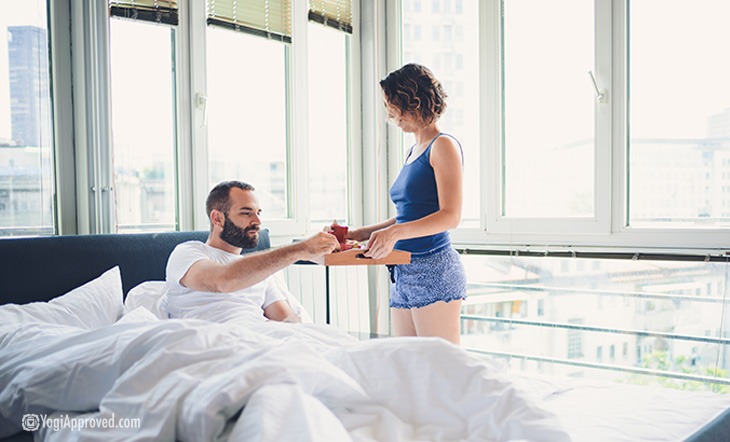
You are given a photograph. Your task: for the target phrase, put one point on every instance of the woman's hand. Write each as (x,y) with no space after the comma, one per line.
(382,242)
(358,235)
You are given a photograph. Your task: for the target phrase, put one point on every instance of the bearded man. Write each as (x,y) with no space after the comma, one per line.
(213,281)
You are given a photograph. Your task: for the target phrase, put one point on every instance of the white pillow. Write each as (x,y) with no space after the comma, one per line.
(96,304)
(140,314)
(149,295)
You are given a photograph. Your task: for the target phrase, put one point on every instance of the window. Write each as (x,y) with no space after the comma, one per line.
(26,137)
(139,148)
(448,33)
(247,116)
(608,130)
(548,169)
(143,125)
(328,125)
(454,66)
(679,142)
(575,340)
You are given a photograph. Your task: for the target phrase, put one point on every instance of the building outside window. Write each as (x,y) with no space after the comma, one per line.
(679,148)
(575,341)
(26,134)
(455,66)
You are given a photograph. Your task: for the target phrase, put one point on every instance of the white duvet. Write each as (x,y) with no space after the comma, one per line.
(191,380)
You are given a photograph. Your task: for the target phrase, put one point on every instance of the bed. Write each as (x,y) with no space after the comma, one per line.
(77,363)
(595,410)
(76,351)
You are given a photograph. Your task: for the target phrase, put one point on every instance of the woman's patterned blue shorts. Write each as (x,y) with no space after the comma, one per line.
(435,276)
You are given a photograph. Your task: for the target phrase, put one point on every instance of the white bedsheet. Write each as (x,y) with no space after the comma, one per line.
(198,381)
(604,411)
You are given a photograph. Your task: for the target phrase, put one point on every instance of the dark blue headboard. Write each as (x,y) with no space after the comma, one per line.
(42,268)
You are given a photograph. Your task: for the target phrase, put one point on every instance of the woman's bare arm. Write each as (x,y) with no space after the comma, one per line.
(446,162)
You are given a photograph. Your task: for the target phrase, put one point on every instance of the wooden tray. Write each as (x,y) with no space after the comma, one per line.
(354,257)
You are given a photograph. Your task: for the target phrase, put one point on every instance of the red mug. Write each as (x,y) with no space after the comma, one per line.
(340,233)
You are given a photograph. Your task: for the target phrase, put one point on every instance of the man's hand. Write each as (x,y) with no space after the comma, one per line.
(317,245)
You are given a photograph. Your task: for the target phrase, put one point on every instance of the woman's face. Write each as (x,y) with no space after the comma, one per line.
(407,122)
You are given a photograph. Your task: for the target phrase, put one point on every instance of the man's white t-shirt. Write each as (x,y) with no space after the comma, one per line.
(244,305)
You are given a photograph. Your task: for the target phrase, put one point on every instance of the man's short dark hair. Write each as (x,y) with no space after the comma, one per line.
(218,198)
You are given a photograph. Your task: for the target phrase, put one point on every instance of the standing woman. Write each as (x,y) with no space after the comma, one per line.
(426,295)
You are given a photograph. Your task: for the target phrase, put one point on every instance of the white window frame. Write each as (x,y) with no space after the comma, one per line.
(66,213)
(609,228)
(492,101)
(87,211)
(297,154)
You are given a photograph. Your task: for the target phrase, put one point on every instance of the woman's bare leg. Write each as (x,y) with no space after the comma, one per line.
(440,319)
(402,322)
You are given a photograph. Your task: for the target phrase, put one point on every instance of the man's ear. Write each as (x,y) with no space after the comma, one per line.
(217,218)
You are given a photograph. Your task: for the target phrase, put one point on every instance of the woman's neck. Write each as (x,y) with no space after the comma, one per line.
(428,133)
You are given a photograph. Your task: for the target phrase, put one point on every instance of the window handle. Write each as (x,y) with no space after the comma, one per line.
(600,94)
(201,102)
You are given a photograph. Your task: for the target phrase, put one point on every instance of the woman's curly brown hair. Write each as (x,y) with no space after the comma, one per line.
(414,89)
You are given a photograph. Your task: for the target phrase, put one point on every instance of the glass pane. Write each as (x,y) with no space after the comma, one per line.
(567,316)
(679,113)
(26,143)
(328,134)
(445,38)
(247,115)
(143,125)
(548,50)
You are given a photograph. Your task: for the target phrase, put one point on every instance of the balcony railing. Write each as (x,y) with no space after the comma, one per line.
(616,368)
(552,313)
(596,365)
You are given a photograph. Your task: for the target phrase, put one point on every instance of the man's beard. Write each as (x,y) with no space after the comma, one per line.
(238,237)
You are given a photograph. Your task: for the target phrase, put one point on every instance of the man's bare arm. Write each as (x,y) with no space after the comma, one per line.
(281,311)
(209,276)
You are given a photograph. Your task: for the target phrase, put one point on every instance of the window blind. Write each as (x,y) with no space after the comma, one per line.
(158,11)
(267,18)
(334,13)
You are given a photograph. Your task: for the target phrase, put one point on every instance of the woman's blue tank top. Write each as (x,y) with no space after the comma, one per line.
(415,196)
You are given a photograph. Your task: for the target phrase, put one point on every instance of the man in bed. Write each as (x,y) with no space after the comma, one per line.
(213,281)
